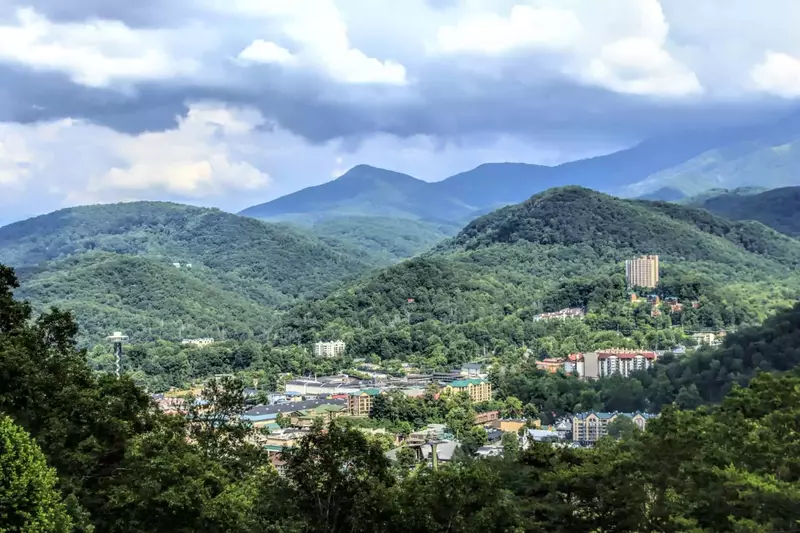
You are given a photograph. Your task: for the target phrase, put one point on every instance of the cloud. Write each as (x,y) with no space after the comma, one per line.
(524,27)
(778,74)
(320,33)
(261,51)
(94,53)
(66,162)
(625,53)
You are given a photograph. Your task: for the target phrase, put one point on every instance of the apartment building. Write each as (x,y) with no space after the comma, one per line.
(588,428)
(595,365)
(360,403)
(329,349)
(642,271)
(479,390)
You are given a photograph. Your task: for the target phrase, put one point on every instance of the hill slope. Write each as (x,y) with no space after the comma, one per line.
(776,208)
(255,264)
(481,288)
(385,240)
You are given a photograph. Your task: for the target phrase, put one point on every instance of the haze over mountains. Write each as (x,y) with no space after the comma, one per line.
(668,168)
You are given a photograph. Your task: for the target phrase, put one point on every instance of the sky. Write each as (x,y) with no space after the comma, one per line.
(230,103)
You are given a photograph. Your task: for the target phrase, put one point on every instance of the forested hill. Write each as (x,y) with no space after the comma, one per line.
(478,292)
(777,208)
(114,264)
(573,216)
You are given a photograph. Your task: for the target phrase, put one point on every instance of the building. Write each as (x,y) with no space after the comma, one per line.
(359,403)
(595,365)
(325,412)
(479,390)
(314,387)
(550,365)
(329,349)
(267,415)
(588,428)
(198,342)
(642,271)
(563,314)
(709,339)
(485,418)
(472,370)
(512,425)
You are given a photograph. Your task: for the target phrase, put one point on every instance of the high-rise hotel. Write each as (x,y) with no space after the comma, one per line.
(642,271)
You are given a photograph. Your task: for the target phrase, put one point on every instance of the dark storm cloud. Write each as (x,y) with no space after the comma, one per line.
(443,107)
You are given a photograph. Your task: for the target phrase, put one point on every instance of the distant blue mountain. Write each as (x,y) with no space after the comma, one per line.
(665,168)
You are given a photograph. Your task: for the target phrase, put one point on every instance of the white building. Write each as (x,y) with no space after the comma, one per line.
(329,349)
(595,365)
(198,342)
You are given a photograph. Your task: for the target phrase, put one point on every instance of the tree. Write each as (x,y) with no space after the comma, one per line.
(339,480)
(29,499)
(622,427)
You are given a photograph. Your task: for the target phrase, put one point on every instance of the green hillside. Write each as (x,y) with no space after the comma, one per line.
(480,290)
(89,258)
(385,240)
(777,208)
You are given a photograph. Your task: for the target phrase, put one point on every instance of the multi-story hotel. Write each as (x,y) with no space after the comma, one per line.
(591,427)
(329,349)
(595,365)
(479,390)
(360,403)
(642,271)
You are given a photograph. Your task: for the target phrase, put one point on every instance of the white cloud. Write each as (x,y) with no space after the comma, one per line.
(320,32)
(621,46)
(778,74)
(261,51)
(94,53)
(524,27)
(197,159)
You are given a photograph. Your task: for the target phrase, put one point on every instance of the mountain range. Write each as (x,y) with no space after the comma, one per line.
(776,208)
(666,168)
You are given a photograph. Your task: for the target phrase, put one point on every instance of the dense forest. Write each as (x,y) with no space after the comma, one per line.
(476,295)
(113,265)
(90,453)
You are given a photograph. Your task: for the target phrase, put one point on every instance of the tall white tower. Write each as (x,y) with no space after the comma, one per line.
(117,338)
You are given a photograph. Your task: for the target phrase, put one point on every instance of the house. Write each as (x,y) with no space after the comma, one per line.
(563,314)
(282,438)
(550,365)
(329,349)
(709,339)
(359,403)
(478,390)
(491,450)
(472,370)
(198,342)
(325,412)
(494,435)
(539,435)
(588,428)
(485,418)
(431,432)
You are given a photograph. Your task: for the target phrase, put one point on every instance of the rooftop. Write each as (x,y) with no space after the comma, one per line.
(263,410)
(607,416)
(462,383)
